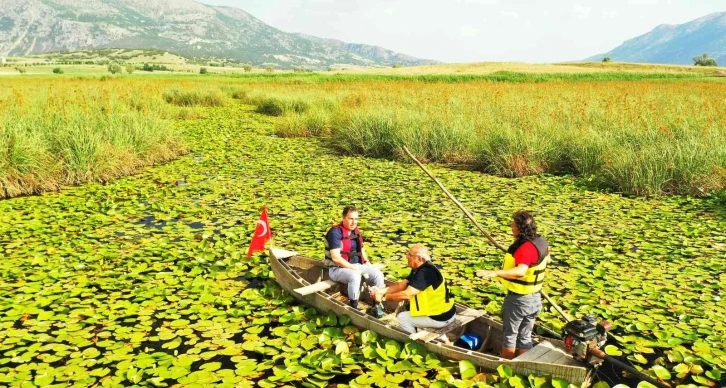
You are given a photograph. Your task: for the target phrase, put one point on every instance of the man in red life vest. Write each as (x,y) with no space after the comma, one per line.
(347,260)
(522,274)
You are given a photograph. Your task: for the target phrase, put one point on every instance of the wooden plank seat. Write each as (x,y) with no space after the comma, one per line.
(546,352)
(536,352)
(325,284)
(315,287)
(462,318)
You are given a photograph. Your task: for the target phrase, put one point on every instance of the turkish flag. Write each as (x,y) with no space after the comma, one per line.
(262,234)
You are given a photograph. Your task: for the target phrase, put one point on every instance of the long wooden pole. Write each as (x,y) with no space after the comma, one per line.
(451,197)
(484,232)
(559,310)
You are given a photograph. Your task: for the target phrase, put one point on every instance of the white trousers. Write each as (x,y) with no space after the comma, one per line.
(353,278)
(409,323)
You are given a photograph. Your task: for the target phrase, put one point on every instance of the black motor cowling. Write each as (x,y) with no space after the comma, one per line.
(583,329)
(582,335)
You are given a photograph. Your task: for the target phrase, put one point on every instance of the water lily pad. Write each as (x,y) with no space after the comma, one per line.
(505,371)
(703,381)
(638,358)
(211,366)
(612,350)
(368,336)
(714,374)
(661,372)
(560,383)
(645,384)
(467,369)
(134,375)
(43,379)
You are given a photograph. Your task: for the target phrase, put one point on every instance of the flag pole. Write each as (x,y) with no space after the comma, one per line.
(268,226)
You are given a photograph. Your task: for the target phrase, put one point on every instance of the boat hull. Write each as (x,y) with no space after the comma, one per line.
(294,271)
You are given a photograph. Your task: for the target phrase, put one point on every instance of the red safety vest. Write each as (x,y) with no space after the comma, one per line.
(345,249)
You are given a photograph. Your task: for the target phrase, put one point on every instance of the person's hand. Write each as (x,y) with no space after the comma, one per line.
(486,274)
(372,290)
(378,294)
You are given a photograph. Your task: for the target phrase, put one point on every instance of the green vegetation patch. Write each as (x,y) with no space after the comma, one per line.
(145,280)
(499,76)
(629,136)
(71,131)
(178,96)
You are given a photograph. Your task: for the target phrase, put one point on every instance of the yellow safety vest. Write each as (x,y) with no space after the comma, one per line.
(432,301)
(532,280)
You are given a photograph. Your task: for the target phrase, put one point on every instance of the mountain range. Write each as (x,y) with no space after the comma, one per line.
(675,44)
(198,30)
(180,26)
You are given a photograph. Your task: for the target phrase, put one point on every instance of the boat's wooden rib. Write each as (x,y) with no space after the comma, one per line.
(315,287)
(295,272)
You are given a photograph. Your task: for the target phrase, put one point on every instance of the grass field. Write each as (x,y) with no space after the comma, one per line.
(638,133)
(568,68)
(66,130)
(180,63)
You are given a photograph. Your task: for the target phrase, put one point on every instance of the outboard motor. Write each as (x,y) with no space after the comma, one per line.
(583,336)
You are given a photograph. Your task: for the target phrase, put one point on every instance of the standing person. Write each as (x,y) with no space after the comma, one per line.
(347,261)
(431,303)
(522,274)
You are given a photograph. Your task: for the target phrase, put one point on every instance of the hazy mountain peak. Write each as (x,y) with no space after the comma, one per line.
(675,44)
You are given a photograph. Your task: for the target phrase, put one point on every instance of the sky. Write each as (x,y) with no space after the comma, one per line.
(479,30)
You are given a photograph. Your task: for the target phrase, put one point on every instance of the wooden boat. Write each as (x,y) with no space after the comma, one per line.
(307,280)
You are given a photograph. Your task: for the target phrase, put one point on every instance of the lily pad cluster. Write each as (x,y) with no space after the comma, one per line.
(144,280)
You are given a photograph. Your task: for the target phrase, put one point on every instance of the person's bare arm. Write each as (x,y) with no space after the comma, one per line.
(405,294)
(512,273)
(398,287)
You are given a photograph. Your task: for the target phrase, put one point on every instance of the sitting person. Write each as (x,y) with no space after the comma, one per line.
(431,303)
(347,260)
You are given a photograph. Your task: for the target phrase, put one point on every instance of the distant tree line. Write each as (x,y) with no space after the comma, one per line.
(118,67)
(8,64)
(701,60)
(704,60)
(154,67)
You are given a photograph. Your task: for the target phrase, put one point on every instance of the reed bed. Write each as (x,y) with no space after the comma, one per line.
(56,132)
(635,136)
(528,76)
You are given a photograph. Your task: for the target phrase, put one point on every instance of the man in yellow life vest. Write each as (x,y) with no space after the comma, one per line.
(431,303)
(522,274)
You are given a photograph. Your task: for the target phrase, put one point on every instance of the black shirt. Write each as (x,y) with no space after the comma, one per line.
(425,276)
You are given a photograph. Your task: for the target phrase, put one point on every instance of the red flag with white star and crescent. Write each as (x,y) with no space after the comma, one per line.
(262,234)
